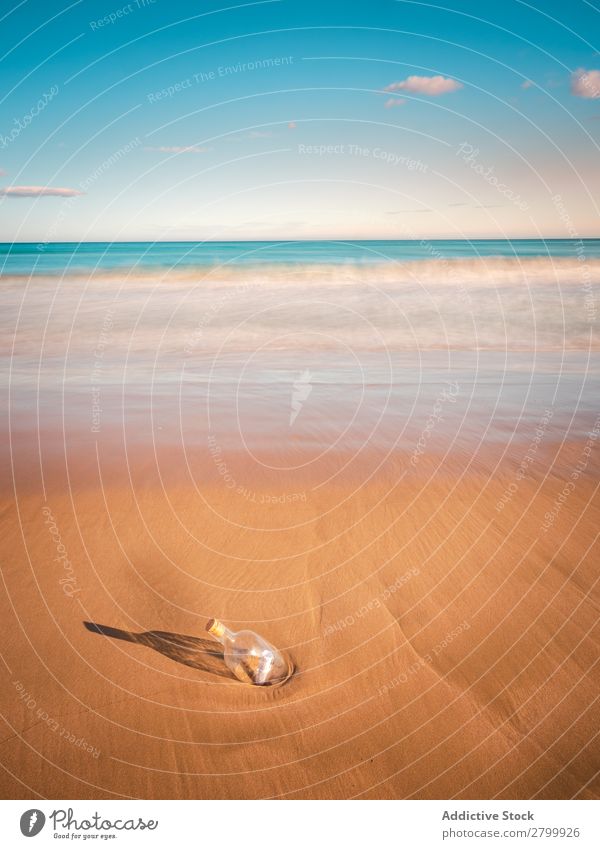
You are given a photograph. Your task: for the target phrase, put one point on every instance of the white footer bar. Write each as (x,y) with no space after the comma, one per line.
(306,824)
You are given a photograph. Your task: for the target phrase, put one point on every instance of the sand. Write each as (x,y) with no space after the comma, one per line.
(444,648)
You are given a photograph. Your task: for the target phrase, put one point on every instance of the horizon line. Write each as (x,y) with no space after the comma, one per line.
(305,241)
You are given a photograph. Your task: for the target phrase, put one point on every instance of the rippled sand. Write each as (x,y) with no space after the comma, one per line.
(445,646)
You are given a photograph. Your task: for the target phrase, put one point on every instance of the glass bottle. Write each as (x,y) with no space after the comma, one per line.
(250,657)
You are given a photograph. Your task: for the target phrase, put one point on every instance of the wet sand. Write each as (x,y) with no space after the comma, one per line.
(446,647)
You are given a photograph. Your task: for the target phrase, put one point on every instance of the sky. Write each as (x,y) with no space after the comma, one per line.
(168,120)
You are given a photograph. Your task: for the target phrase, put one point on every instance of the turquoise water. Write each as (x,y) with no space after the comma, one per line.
(67,257)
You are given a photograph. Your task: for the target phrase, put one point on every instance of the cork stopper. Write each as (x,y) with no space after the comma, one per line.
(214,627)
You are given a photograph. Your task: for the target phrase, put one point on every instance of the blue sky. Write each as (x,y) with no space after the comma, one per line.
(172,120)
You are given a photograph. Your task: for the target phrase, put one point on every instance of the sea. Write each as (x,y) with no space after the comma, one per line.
(327,343)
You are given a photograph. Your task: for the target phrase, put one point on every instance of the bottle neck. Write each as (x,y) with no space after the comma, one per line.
(227,634)
(219,631)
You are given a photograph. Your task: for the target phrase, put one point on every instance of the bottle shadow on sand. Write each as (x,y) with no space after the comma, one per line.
(191,651)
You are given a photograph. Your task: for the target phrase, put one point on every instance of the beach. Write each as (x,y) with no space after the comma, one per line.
(388,468)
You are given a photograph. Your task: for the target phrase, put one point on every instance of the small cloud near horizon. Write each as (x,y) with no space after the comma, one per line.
(38,191)
(394,101)
(190,148)
(292,125)
(585,83)
(527,84)
(429,86)
(404,211)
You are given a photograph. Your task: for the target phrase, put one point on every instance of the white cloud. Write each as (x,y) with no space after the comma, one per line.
(191,148)
(430,86)
(38,191)
(257,134)
(585,83)
(527,84)
(394,101)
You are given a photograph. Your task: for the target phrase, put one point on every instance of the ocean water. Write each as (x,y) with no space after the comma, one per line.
(327,343)
(520,295)
(70,257)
